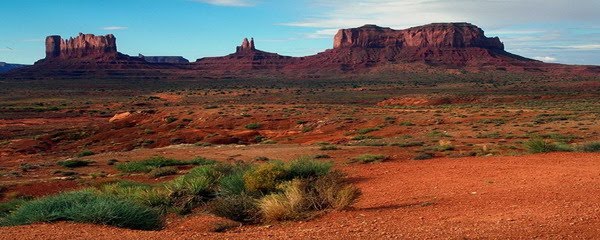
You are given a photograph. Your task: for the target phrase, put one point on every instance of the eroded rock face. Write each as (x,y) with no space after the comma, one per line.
(82,46)
(436,35)
(247,46)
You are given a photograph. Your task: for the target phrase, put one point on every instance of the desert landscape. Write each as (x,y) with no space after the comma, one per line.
(430,132)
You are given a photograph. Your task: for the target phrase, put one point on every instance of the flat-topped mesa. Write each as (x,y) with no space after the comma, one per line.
(247,46)
(436,35)
(82,46)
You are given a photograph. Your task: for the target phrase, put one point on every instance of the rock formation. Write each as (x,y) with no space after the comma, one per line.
(5,67)
(164,59)
(247,46)
(357,50)
(436,35)
(246,57)
(82,46)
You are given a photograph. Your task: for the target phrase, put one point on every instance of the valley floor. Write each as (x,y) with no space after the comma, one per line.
(543,196)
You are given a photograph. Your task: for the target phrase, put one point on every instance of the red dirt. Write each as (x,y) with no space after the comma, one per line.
(537,196)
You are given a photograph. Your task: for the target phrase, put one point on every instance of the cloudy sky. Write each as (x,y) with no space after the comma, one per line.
(564,31)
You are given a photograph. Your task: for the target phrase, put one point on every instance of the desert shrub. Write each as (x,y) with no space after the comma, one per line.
(367,130)
(253,126)
(541,146)
(591,147)
(329,147)
(333,191)
(7,207)
(299,198)
(170,119)
(289,204)
(86,207)
(85,153)
(163,171)
(233,184)
(74,163)
(264,177)
(423,156)
(147,195)
(369,158)
(306,167)
(322,156)
(239,207)
(408,144)
(148,165)
(407,124)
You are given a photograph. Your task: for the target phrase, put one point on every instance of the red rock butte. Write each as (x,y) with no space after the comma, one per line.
(82,46)
(446,45)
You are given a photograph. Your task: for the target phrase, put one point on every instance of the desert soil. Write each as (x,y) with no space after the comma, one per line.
(544,196)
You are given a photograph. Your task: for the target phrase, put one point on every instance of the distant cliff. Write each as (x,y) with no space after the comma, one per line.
(436,35)
(164,59)
(5,67)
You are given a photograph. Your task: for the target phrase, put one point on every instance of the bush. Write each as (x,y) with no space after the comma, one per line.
(591,147)
(240,207)
(290,204)
(541,146)
(367,130)
(329,147)
(265,177)
(423,156)
(305,167)
(7,207)
(369,158)
(163,171)
(408,144)
(253,126)
(148,165)
(74,163)
(86,207)
(85,153)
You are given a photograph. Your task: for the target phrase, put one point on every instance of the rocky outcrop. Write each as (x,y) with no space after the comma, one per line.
(82,46)
(164,59)
(247,46)
(245,58)
(436,35)
(5,67)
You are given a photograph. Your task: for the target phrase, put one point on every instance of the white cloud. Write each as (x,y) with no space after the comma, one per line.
(546,59)
(114,28)
(582,47)
(229,3)
(407,13)
(323,33)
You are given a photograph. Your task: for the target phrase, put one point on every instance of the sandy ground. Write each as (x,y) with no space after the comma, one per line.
(547,196)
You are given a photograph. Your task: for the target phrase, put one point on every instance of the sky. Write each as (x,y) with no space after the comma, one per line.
(564,31)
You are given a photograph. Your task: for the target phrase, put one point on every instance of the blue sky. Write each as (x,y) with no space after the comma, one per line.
(549,30)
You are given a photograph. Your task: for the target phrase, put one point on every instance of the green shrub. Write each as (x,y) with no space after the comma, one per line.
(306,167)
(264,177)
(367,130)
(328,147)
(591,147)
(74,163)
(148,165)
(86,207)
(253,126)
(369,158)
(541,146)
(232,184)
(85,153)
(423,156)
(7,207)
(408,144)
(163,171)
(239,207)
(407,124)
